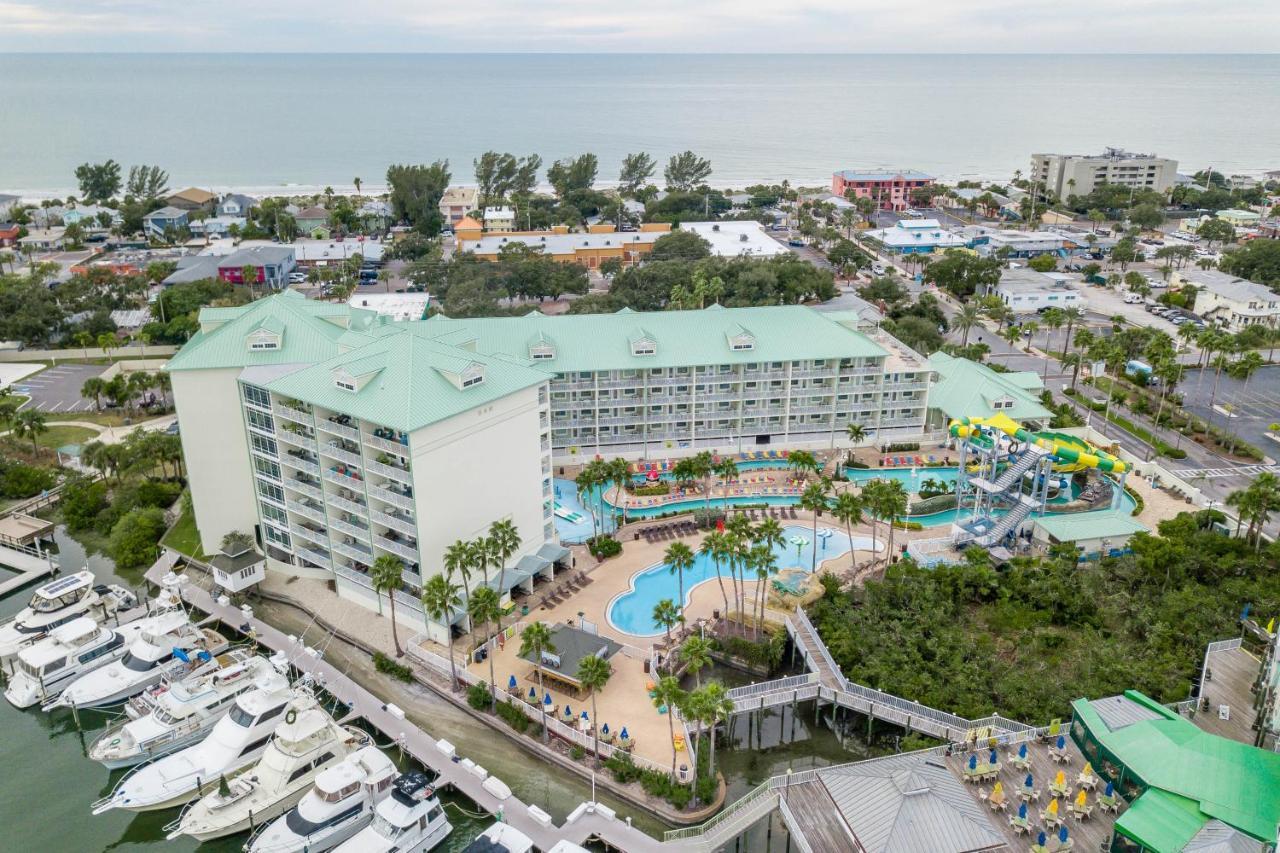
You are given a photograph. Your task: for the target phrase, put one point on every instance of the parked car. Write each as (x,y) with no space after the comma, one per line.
(878,269)
(1132,298)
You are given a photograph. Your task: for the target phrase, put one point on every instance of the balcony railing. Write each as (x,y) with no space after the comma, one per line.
(301,464)
(334,451)
(395,522)
(349,505)
(354,550)
(293,414)
(313,513)
(288,436)
(318,537)
(348,528)
(335,476)
(391,471)
(338,429)
(386,444)
(320,558)
(388,496)
(304,488)
(398,548)
(360,579)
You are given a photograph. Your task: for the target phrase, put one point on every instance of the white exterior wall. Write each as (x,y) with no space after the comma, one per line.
(477,468)
(216,452)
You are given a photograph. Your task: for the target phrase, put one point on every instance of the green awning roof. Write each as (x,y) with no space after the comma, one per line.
(1161,821)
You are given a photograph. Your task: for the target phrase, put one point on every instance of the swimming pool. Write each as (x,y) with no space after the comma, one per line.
(632,611)
(569,530)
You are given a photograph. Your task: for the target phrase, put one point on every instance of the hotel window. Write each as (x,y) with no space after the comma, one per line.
(257,396)
(542,353)
(273,513)
(345,384)
(473,380)
(266,468)
(276,536)
(264,445)
(260,421)
(270,492)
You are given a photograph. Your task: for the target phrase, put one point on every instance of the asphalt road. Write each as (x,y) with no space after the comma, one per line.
(57,389)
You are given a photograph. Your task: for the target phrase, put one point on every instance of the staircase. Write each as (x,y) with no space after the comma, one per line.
(1016,515)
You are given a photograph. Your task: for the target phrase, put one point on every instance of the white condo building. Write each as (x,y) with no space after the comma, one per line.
(1065,175)
(338,435)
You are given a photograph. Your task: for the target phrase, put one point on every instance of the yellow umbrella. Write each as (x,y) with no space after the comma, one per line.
(1081,798)
(1271,625)
(1053,807)
(1060,779)
(998,789)
(1088,770)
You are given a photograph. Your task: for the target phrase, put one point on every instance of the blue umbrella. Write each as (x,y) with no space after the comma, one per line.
(1062,742)
(568,712)
(584,716)
(1041,839)
(511,683)
(546,700)
(604,730)
(973,762)
(994,759)
(1022,812)
(1111,789)
(1062,834)
(533,695)
(1022,751)
(1029,781)
(624,734)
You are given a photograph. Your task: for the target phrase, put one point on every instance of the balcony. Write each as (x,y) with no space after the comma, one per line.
(354,550)
(293,414)
(332,426)
(361,579)
(296,461)
(400,549)
(386,495)
(390,446)
(335,451)
(351,529)
(288,436)
(404,524)
(347,504)
(319,537)
(305,488)
(320,558)
(315,513)
(333,475)
(392,471)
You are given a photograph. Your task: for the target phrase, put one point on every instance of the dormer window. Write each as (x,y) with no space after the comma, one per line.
(345,383)
(644,346)
(263,339)
(473,375)
(542,352)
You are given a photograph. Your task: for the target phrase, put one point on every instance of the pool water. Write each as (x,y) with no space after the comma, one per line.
(572,532)
(632,611)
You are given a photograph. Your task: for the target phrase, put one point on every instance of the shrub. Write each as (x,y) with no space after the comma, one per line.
(135,536)
(514,717)
(854,463)
(478,696)
(576,752)
(706,788)
(82,501)
(603,547)
(651,489)
(23,481)
(707,518)
(766,652)
(902,447)
(399,671)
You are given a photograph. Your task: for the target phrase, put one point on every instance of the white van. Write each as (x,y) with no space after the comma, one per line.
(1132,298)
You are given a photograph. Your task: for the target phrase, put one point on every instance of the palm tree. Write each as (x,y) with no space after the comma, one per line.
(1255,505)
(107,342)
(678,558)
(872,495)
(618,473)
(666,614)
(696,655)
(1054,320)
(761,558)
(803,463)
(162,382)
(1075,361)
(593,674)
(386,575)
(667,693)
(29,423)
(586,482)
(95,387)
(814,500)
(703,468)
(457,560)
(1069,316)
(534,641)
(726,469)
(358,183)
(82,339)
(893,504)
(716,546)
(718,706)
(856,432)
(970,315)
(439,600)
(504,542)
(738,533)
(848,510)
(485,607)
(481,558)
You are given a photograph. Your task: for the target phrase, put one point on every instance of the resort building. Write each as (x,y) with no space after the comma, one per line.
(744,238)
(600,243)
(967,389)
(499,218)
(1026,291)
(1014,244)
(192,198)
(1231,301)
(266,265)
(671,383)
(1186,789)
(43,239)
(1094,534)
(1065,175)
(159,223)
(916,236)
(456,203)
(890,190)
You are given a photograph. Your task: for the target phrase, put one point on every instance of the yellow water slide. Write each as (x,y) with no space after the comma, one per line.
(1072,453)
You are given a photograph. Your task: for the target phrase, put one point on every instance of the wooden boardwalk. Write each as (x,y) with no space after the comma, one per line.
(1232,672)
(818,818)
(31,564)
(588,821)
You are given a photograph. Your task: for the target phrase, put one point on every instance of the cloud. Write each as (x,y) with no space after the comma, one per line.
(701,26)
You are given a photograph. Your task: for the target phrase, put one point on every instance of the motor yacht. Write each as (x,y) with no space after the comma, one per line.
(174,715)
(411,820)
(171,648)
(45,668)
(235,741)
(339,804)
(57,602)
(500,838)
(306,744)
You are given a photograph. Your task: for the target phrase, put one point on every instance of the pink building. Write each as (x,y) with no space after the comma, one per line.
(891,190)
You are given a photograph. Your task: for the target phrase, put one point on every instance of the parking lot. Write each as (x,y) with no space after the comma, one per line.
(57,389)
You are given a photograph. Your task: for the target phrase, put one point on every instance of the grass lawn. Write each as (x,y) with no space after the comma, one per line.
(110,418)
(184,537)
(60,434)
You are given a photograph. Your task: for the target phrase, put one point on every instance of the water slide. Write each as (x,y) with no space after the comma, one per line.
(1074,453)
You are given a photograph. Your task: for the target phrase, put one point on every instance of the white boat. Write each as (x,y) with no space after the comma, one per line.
(339,804)
(57,602)
(45,668)
(306,744)
(173,716)
(411,820)
(500,838)
(236,741)
(171,648)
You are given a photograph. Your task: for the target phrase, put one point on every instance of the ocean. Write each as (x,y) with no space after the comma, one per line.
(302,121)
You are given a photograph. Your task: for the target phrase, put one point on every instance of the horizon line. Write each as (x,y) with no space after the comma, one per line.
(68,52)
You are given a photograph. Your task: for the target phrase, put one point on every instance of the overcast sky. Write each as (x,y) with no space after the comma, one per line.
(698,26)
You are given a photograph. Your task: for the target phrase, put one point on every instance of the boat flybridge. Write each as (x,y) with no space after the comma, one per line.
(172,648)
(306,744)
(235,741)
(56,603)
(339,804)
(174,715)
(411,820)
(500,838)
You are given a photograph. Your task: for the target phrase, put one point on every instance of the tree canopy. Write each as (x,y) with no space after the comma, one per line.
(686,170)
(98,181)
(1257,260)
(962,274)
(416,192)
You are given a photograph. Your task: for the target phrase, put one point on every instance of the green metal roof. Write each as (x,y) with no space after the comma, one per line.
(1234,782)
(589,342)
(966,389)
(407,389)
(1161,821)
(1075,526)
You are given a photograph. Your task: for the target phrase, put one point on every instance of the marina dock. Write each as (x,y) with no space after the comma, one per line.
(30,563)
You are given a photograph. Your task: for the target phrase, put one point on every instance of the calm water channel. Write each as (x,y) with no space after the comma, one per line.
(45,795)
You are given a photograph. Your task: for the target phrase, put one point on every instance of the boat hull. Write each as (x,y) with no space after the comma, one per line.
(141,757)
(247,824)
